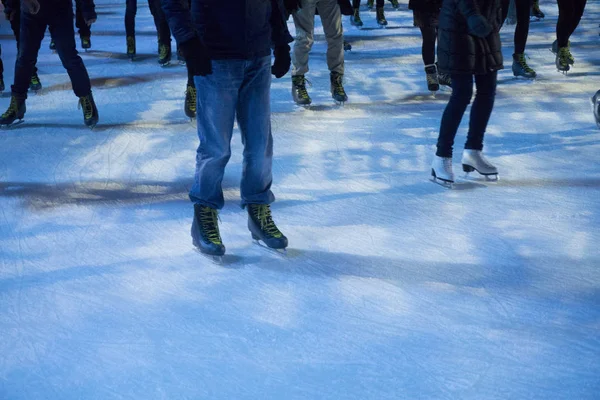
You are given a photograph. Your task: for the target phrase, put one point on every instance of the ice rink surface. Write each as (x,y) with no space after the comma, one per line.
(393,287)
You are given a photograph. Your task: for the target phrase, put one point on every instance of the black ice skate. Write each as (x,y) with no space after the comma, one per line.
(562,60)
(536,14)
(570,58)
(131,47)
(337,87)
(262,227)
(190,102)
(90,112)
(431,74)
(34,84)
(164,54)
(395,4)
(520,67)
(299,92)
(52,45)
(347,46)
(381,21)
(370,4)
(355,19)
(15,113)
(2,87)
(86,43)
(205,232)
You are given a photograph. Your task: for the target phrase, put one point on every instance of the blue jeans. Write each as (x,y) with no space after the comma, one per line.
(239,88)
(462,91)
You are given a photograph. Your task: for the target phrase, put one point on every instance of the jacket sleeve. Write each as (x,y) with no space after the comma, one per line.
(478,25)
(180,21)
(280,35)
(88,9)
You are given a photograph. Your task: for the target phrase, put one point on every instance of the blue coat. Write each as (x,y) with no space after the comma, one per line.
(230,29)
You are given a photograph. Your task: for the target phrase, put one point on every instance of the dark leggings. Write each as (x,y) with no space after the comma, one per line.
(522,28)
(569,15)
(429,35)
(378,3)
(462,91)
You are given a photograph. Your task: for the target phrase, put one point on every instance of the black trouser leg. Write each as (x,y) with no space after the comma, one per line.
(429,35)
(462,91)
(32,32)
(160,20)
(481,109)
(380,3)
(355,3)
(82,26)
(130,11)
(522,29)
(565,18)
(64,38)
(578,8)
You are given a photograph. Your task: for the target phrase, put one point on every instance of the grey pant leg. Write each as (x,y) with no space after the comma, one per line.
(304,20)
(331,18)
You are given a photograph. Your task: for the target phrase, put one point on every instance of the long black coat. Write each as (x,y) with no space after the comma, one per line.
(232,29)
(425,5)
(468,43)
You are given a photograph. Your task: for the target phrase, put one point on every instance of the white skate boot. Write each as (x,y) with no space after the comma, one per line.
(473,160)
(441,171)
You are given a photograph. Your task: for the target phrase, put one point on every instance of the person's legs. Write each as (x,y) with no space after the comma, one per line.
(522,28)
(429,35)
(216,105)
(31,33)
(578,8)
(304,20)
(462,91)
(130,11)
(254,120)
(564,23)
(63,33)
(481,109)
(331,18)
(83,28)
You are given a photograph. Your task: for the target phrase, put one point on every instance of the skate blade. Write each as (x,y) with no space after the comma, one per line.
(442,182)
(8,126)
(278,252)
(217,260)
(487,177)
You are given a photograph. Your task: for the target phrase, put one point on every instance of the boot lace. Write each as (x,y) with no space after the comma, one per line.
(85,102)
(130,44)
(338,87)
(13,108)
(191,98)
(210,225)
(35,79)
(523,63)
(163,51)
(262,213)
(564,55)
(300,83)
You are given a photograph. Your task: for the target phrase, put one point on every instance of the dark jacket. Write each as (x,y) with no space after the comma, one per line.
(425,5)
(88,8)
(468,37)
(241,29)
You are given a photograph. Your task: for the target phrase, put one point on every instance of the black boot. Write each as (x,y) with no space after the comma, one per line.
(205,231)
(381,21)
(337,87)
(34,84)
(262,227)
(90,112)
(190,102)
(164,54)
(86,42)
(299,92)
(131,47)
(16,111)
